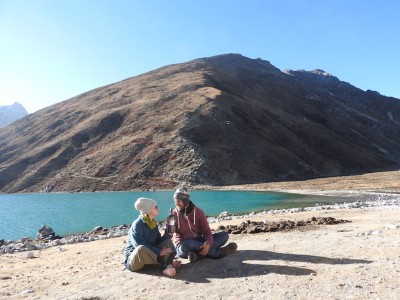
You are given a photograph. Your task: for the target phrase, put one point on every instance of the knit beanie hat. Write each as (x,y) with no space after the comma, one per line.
(144,205)
(181,193)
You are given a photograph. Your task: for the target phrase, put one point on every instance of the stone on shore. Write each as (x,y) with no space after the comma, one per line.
(46,233)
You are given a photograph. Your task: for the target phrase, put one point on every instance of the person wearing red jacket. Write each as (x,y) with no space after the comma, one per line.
(192,237)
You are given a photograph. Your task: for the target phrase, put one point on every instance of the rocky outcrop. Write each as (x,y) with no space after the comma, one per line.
(220,120)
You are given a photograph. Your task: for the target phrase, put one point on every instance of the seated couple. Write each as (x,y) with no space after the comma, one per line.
(192,238)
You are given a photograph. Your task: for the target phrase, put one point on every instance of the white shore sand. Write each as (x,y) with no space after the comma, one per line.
(357,260)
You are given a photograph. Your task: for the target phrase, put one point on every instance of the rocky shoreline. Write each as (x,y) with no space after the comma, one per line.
(48,238)
(51,240)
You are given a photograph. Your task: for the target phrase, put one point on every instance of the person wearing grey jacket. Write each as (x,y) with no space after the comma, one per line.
(145,245)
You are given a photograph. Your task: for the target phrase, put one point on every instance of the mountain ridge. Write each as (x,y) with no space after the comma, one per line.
(10,113)
(220,120)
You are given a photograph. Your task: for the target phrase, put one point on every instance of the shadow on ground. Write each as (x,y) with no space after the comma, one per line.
(246,263)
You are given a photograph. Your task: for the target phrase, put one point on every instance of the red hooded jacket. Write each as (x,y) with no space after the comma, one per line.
(192,226)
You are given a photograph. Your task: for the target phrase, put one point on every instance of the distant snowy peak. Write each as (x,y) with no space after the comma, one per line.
(315,76)
(11,113)
(313,73)
(321,72)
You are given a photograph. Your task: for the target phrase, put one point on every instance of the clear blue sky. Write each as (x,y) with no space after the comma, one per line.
(53,50)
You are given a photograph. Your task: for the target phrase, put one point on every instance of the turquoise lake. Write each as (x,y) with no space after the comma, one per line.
(21,215)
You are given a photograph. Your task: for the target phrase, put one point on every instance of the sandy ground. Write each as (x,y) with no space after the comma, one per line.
(388,182)
(357,260)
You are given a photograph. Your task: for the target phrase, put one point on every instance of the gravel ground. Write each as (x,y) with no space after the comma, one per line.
(355,260)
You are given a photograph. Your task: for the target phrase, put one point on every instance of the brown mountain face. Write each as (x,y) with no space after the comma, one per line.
(221,120)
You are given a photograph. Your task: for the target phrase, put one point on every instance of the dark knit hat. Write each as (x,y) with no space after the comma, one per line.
(182,194)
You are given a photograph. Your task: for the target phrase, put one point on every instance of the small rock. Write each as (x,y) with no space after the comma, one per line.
(391,226)
(30,255)
(97,228)
(56,242)
(28,291)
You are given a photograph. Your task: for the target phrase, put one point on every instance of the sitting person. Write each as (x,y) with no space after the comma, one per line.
(145,245)
(192,237)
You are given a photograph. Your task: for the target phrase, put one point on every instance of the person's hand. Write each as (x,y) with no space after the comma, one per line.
(170,234)
(204,249)
(165,251)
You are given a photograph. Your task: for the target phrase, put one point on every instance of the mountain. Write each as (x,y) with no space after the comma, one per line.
(219,120)
(10,113)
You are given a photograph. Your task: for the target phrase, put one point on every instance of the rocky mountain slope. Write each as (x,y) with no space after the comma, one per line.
(220,120)
(10,113)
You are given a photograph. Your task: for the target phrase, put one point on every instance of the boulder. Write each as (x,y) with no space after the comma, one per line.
(46,232)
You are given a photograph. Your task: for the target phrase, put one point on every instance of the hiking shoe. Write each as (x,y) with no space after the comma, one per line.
(192,256)
(176,264)
(228,249)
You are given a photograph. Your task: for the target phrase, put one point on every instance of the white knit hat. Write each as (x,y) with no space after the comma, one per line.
(144,205)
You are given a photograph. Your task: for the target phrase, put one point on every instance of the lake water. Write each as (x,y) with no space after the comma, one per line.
(21,215)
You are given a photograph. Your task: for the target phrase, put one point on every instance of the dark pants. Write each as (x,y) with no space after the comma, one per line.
(220,239)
